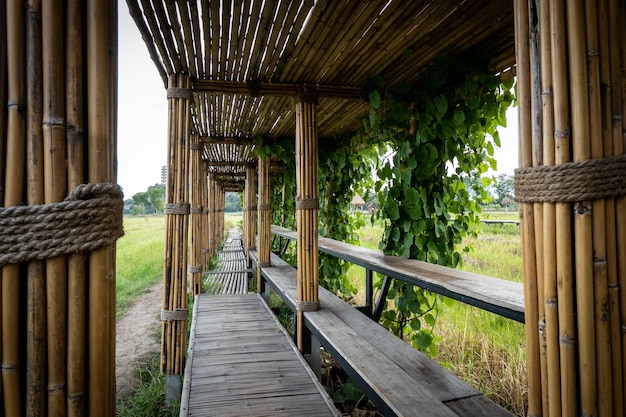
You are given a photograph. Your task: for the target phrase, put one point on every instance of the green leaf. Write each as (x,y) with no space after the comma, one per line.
(375,99)
(429,319)
(459,117)
(411,195)
(422,339)
(395,234)
(441,103)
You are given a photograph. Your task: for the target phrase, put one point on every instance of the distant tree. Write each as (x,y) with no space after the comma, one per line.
(156,196)
(232,203)
(503,188)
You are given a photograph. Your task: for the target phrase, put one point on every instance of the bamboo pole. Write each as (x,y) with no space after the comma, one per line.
(599,263)
(529,260)
(195,191)
(306,208)
(14,183)
(55,191)
(101,124)
(264,210)
(553,384)
(36,353)
(582,219)
(76,292)
(177,221)
(565,293)
(617,52)
(250,212)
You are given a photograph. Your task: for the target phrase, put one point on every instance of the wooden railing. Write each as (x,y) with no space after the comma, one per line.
(499,296)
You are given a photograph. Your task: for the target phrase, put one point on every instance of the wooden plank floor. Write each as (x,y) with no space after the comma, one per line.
(231,275)
(241,362)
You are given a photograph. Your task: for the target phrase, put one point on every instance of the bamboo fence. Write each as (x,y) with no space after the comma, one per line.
(48,147)
(174,307)
(264,209)
(307,205)
(574,260)
(196,173)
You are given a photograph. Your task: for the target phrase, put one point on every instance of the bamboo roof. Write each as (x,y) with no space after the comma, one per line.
(249,59)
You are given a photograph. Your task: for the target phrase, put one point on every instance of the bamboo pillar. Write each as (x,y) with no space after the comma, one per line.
(250,203)
(174,309)
(264,209)
(211,213)
(583,239)
(307,206)
(69,366)
(13,167)
(195,257)
(205,215)
(220,212)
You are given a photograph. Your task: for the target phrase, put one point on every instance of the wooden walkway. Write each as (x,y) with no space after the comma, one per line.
(231,275)
(241,362)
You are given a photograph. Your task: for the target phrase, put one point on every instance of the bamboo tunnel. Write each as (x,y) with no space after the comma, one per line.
(174,307)
(264,209)
(575,275)
(49,148)
(307,205)
(196,265)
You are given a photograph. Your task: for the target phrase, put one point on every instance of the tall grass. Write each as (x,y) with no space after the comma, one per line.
(139,258)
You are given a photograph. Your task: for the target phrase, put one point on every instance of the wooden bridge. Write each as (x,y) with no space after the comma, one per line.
(231,274)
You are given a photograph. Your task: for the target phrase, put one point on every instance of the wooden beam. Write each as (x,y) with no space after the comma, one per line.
(261,88)
(230,140)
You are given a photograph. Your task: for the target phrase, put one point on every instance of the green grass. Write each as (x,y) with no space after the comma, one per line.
(139,258)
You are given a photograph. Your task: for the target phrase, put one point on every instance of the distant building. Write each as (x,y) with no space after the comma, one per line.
(163,175)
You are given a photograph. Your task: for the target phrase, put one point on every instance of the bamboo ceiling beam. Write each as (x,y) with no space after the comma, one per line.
(227,140)
(261,88)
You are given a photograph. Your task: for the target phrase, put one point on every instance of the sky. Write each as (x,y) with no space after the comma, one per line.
(142,116)
(142,112)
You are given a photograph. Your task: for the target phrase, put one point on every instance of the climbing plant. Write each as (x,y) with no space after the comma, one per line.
(432,136)
(345,169)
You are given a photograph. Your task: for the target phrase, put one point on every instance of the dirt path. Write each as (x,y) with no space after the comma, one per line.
(137,338)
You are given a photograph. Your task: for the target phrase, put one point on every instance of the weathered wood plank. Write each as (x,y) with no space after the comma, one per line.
(392,373)
(499,296)
(242,363)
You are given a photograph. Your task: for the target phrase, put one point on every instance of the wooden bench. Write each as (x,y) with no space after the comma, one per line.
(241,362)
(505,298)
(398,379)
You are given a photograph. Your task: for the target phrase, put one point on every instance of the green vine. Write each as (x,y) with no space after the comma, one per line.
(432,137)
(343,172)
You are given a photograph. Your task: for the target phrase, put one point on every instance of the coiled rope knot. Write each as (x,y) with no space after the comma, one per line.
(88,219)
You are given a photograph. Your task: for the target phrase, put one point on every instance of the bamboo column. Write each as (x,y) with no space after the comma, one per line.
(583,239)
(55,191)
(211,213)
(205,215)
(101,156)
(77,286)
(36,323)
(69,366)
(195,257)
(220,212)
(307,205)
(174,308)
(13,167)
(249,231)
(264,209)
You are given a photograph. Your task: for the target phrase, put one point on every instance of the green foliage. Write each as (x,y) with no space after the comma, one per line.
(149,201)
(440,132)
(232,202)
(345,171)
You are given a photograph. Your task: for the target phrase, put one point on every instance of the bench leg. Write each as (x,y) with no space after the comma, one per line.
(311,352)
